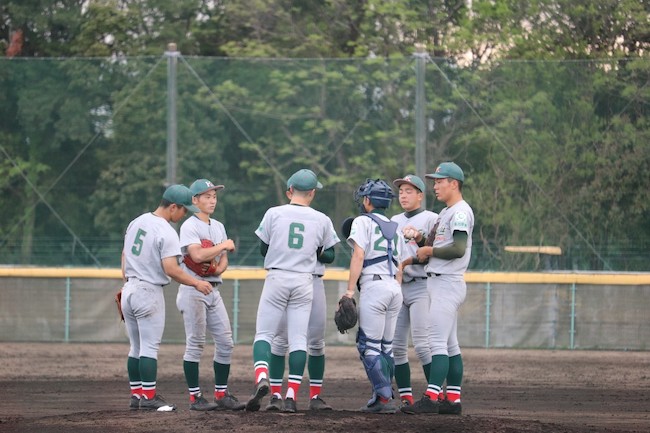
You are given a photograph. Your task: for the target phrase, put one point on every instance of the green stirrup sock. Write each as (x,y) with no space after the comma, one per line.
(297,361)
(438,370)
(403,375)
(261,351)
(191,370)
(455,374)
(316,367)
(221,373)
(276,371)
(133,368)
(148,369)
(427,370)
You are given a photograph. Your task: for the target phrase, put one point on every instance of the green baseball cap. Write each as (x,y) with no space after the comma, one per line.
(181,196)
(448,170)
(201,186)
(304,180)
(410,179)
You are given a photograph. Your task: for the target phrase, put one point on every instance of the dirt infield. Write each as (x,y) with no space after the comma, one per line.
(83,388)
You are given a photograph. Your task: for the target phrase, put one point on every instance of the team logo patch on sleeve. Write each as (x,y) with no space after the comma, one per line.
(460,221)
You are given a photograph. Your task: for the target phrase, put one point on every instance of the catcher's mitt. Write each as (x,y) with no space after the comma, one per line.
(346,314)
(202,269)
(346,226)
(118,302)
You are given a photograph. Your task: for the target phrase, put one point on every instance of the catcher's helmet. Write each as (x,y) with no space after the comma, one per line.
(378,191)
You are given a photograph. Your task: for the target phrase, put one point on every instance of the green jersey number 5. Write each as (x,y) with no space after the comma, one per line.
(136,249)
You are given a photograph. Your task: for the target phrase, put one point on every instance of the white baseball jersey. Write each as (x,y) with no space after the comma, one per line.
(294,233)
(367,234)
(148,240)
(457,217)
(424,221)
(193,231)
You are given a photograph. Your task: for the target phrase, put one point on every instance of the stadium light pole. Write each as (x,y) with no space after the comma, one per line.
(420,126)
(172,62)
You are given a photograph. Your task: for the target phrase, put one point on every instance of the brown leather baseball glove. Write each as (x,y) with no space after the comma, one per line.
(118,302)
(346,314)
(203,269)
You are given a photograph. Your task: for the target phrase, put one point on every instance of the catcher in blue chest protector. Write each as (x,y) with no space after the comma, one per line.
(205,246)
(376,267)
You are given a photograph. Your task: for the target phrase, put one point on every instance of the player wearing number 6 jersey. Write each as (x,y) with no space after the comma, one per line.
(293,237)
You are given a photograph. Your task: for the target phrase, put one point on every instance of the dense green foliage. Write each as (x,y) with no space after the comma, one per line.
(543,103)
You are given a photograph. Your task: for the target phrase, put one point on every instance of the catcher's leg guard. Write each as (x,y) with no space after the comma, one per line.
(376,366)
(390,365)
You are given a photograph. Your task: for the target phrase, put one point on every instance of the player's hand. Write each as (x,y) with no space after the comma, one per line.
(229,245)
(203,287)
(424,253)
(411,233)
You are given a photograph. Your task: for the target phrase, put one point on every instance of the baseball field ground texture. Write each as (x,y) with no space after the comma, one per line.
(57,387)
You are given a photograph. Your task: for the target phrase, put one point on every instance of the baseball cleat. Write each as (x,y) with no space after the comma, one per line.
(201,404)
(289,405)
(405,402)
(134,403)
(448,408)
(379,407)
(229,402)
(275,404)
(318,403)
(157,403)
(423,405)
(261,389)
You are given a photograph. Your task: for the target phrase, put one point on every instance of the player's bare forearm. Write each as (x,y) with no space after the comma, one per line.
(122,265)
(174,271)
(202,255)
(400,273)
(356,265)
(222,265)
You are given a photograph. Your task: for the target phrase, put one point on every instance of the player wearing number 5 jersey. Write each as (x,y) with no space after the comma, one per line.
(149,258)
(375,267)
(293,237)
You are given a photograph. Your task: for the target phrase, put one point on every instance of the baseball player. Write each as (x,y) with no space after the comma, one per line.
(414,313)
(447,252)
(201,312)
(315,345)
(375,266)
(293,237)
(149,258)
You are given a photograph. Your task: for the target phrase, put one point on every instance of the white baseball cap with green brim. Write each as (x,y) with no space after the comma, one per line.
(180,195)
(201,186)
(448,170)
(304,180)
(410,179)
